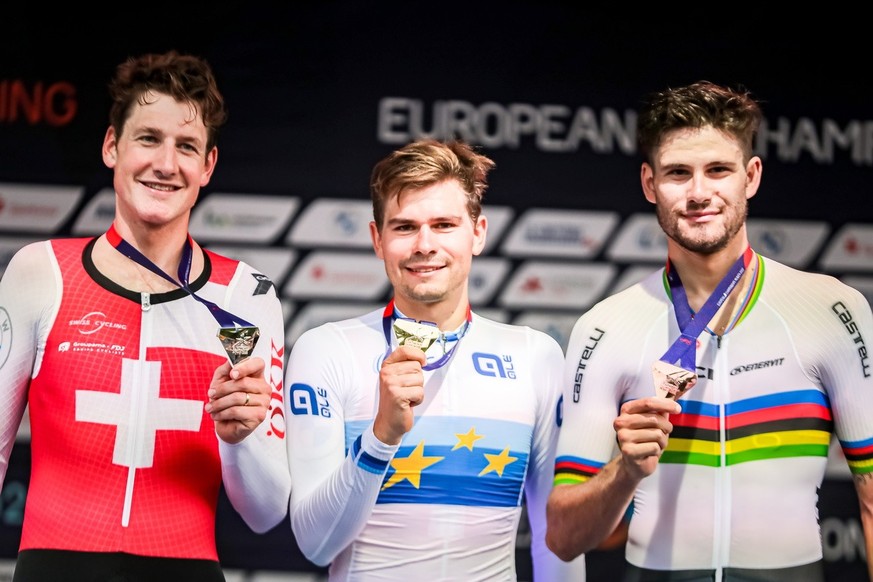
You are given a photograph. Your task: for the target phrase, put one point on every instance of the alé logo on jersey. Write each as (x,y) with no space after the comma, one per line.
(304,399)
(494,366)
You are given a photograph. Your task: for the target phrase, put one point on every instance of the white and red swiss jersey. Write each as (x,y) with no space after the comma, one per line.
(124,457)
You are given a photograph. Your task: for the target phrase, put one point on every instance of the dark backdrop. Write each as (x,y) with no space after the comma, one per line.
(304,82)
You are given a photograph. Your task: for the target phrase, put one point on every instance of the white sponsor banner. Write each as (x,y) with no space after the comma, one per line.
(338,275)
(499,218)
(97,215)
(639,238)
(486,274)
(9,245)
(792,242)
(559,325)
(274,262)
(556,285)
(39,208)
(333,223)
(850,249)
(631,275)
(288,308)
(559,233)
(243,218)
(501,315)
(7,567)
(316,313)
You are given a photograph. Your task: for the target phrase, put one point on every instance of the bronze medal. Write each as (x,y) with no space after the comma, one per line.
(672,381)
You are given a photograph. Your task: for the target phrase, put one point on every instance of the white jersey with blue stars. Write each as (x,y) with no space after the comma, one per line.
(445,504)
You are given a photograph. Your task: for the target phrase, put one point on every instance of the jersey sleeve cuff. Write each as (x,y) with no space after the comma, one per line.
(371,454)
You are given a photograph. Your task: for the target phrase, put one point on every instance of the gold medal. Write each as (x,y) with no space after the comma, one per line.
(672,381)
(412,333)
(239,342)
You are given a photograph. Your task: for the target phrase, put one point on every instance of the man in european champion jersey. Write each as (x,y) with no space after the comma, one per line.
(416,431)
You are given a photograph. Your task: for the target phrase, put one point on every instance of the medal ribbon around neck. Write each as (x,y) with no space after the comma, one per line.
(224,318)
(388,317)
(237,336)
(684,350)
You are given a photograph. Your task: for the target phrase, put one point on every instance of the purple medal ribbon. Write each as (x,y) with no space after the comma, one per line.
(683,352)
(388,317)
(224,318)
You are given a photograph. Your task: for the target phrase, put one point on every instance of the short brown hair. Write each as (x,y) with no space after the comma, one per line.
(426,162)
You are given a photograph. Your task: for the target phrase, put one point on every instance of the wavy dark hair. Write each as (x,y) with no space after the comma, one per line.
(187,78)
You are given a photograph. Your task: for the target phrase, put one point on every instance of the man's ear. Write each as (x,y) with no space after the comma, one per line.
(754,169)
(110,148)
(480,230)
(209,166)
(376,237)
(647,180)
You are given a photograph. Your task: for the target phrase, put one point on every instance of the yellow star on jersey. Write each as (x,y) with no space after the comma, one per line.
(467,440)
(499,462)
(411,467)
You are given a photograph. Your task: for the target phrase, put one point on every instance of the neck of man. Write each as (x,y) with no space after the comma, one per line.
(162,246)
(448,315)
(701,273)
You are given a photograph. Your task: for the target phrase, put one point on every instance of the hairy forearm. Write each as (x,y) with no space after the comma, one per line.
(580,517)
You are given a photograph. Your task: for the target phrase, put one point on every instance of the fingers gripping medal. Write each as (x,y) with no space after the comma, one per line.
(239,342)
(412,333)
(672,381)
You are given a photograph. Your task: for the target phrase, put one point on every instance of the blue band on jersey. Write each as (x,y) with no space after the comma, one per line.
(366,461)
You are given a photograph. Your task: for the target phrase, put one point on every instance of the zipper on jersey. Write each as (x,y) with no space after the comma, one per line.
(141,373)
(723,493)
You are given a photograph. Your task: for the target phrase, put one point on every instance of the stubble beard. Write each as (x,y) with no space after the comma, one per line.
(699,238)
(424,294)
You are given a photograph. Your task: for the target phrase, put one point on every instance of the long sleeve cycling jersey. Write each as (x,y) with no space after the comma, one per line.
(444,504)
(124,457)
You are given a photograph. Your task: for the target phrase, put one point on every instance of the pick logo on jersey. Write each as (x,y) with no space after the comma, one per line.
(278,426)
(264,284)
